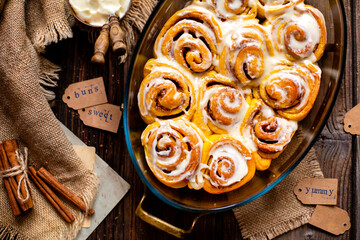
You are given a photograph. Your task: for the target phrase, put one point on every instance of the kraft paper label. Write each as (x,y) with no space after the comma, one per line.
(351,120)
(106,117)
(317,191)
(85,94)
(331,219)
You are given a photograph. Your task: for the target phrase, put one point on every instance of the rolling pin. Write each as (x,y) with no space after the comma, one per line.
(117,36)
(101,45)
(102,42)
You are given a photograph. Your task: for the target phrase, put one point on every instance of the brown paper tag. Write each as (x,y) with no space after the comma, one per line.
(85,94)
(331,219)
(106,117)
(351,120)
(317,191)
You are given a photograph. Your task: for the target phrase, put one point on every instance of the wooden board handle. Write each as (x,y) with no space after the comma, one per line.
(101,45)
(117,36)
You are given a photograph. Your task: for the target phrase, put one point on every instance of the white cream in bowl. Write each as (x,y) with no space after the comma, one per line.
(97,12)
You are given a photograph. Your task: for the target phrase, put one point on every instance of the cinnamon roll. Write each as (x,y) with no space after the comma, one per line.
(190,37)
(291,89)
(226,89)
(230,164)
(165,93)
(173,151)
(228,9)
(261,163)
(244,53)
(221,104)
(269,132)
(301,35)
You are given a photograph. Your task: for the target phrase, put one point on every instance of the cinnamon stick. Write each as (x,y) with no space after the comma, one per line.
(51,197)
(12,182)
(12,199)
(91,212)
(55,184)
(10,147)
(14,188)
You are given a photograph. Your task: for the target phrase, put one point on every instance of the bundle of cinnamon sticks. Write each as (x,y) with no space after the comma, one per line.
(45,182)
(42,179)
(8,160)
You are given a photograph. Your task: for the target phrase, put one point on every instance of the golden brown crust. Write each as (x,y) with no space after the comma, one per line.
(165,92)
(168,145)
(291,89)
(223,167)
(285,29)
(190,37)
(220,101)
(271,134)
(244,55)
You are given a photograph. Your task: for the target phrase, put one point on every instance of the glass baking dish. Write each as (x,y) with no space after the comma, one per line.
(332,65)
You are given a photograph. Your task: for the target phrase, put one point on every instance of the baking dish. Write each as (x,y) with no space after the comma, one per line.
(332,65)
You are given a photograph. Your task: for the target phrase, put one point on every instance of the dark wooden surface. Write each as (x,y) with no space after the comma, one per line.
(338,152)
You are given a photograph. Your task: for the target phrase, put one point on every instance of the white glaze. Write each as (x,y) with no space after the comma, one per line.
(233,129)
(220,7)
(230,28)
(302,17)
(225,149)
(156,161)
(309,24)
(198,179)
(299,80)
(287,127)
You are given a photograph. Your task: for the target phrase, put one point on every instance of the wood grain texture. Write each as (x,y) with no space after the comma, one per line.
(355,19)
(338,152)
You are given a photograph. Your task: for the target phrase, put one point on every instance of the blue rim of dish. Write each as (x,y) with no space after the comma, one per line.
(255,196)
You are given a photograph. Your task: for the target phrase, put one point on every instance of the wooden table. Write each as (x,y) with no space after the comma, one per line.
(338,152)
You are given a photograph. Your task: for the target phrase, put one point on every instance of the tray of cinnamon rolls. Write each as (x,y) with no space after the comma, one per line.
(226,97)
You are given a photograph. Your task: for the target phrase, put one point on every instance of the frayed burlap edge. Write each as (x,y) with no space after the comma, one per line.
(2,3)
(80,216)
(48,77)
(136,17)
(7,232)
(316,170)
(48,71)
(55,32)
(288,225)
(279,229)
(134,20)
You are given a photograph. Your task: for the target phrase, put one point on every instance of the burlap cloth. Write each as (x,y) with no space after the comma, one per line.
(26,27)
(278,211)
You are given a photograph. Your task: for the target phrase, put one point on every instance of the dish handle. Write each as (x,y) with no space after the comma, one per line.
(161,224)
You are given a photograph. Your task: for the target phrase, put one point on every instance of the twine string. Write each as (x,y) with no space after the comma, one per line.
(17,170)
